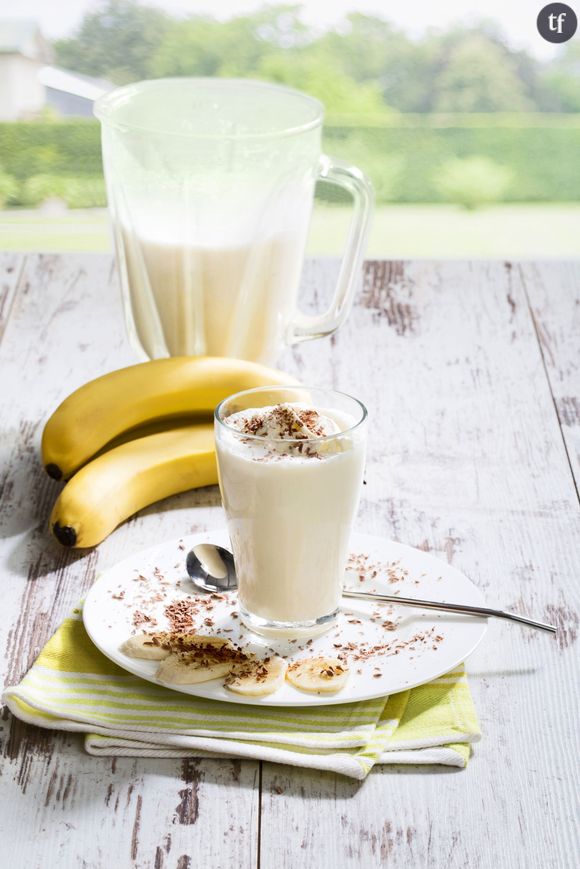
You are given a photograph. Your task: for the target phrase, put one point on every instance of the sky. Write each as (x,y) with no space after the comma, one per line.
(516,17)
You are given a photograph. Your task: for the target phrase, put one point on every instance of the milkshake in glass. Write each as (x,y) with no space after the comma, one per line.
(290,463)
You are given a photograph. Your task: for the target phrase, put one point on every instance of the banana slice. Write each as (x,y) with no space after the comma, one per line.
(318,675)
(181,670)
(204,659)
(146,646)
(192,642)
(257,676)
(156,647)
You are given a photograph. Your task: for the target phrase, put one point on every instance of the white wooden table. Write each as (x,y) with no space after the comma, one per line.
(471,372)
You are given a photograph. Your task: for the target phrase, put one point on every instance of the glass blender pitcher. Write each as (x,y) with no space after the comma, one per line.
(210,186)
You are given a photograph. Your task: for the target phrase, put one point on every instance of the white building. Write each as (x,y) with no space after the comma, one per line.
(23,53)
(29,84)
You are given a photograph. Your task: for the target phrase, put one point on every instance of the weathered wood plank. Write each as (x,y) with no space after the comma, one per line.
(57,804)
(69,810)
(11,266)
(554,296)
(465,461)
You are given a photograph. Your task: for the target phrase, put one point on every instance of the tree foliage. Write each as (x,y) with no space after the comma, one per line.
(332,86)
(365,65)
(115,41)
(559,82)
(477,77)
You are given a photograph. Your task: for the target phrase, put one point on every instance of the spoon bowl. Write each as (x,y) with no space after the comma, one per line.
(211,568)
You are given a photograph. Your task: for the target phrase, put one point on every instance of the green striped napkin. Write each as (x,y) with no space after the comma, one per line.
(72,686)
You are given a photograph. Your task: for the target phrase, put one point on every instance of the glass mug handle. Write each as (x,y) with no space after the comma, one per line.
(358,185)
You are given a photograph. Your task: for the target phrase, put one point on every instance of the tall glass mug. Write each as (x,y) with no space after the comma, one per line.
(210,186)
(290,495)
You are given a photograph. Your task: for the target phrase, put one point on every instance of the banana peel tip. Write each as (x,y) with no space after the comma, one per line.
(65,534)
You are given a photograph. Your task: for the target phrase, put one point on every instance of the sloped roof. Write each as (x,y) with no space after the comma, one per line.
(70,82)
(23,36)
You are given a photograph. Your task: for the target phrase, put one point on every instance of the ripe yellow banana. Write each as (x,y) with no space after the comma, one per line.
(127,478)
(154,427)
(105,408)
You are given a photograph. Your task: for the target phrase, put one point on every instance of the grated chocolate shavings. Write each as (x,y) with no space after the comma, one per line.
(365,652)
(367,570)
(180,615)
(140,618)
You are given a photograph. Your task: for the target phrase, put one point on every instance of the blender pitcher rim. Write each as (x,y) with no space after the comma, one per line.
(104,109)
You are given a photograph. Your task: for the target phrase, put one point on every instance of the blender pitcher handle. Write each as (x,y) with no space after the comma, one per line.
(358,185)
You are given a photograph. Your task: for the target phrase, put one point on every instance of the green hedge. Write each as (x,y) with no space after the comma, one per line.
(80,191)
(50,148)
(403,155)
(541,157)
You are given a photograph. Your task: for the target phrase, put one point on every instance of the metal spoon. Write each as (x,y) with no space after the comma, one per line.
(212,568)
(450,608)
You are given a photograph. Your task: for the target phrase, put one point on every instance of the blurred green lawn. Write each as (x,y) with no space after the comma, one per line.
(533,231)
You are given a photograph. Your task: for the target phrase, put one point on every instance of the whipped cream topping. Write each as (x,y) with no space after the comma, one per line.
(287,429)
(283,422)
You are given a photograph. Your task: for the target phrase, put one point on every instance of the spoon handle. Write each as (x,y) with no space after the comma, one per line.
(449,607)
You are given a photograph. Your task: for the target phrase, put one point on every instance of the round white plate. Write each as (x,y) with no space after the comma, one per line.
(422,646)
